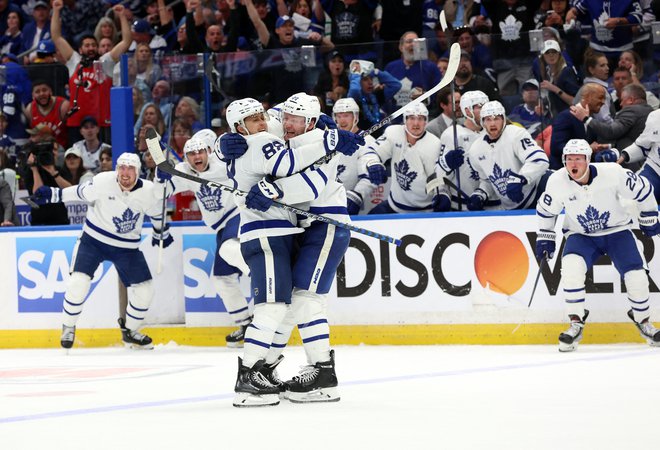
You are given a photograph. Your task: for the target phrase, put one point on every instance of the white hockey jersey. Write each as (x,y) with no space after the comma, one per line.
(352,170)
(217,206)
(468,175)
(411,166)
(115,217)
(647,145)
(514,151)
(595,208)
(268,155)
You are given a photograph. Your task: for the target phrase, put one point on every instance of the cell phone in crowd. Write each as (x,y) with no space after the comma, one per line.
(420,52)
(308,55)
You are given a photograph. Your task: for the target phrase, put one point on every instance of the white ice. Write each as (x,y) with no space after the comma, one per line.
(392,397)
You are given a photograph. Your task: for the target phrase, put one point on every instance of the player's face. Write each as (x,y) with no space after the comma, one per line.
(494,126)
(416,125)
(256,123)
(345,120)
(577,166)
(293,126)
(42,94)
(198,160)
(476,111)
(126,176)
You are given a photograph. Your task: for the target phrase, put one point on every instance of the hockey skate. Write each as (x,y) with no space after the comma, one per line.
(235,338)
(253,389)
(317,383)
(269,371)
(569,339)
(650,333)
(134,339)
(67,337)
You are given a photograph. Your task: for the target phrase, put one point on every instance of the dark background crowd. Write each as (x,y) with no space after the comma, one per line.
(59,60)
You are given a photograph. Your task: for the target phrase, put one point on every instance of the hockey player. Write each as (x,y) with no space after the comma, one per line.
(512,167)
(266,237)
(219,213)
(647,145)
(597,223)
(413,153)
(321,248)
(452,159)
(119,200)
(351,170)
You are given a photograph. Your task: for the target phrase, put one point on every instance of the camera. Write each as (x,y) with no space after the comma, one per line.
(42,151)
(86,61)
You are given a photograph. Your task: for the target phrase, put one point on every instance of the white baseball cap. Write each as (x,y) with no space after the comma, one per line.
(73,151)
(551,44)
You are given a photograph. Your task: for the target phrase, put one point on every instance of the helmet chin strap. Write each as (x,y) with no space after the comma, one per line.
(413,135)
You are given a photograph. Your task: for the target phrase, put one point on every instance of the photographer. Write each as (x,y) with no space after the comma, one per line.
(42,171)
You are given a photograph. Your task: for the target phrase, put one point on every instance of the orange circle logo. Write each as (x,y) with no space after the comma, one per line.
(501,263)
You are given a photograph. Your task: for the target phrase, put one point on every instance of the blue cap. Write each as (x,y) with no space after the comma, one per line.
(142,26)
(46,47)
(282,20)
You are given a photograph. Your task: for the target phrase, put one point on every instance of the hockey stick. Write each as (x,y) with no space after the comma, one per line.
(443,24)
(458,190)
(153,144)
(543,261)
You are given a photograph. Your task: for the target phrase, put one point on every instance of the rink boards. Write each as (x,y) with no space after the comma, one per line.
(456,278)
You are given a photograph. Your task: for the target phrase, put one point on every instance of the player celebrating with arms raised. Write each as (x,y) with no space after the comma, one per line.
(596,224)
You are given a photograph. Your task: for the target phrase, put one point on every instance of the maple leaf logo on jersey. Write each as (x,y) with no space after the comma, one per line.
(510,28)
(404,176)
(340,169)
(593,221)
(603,34)
(498,179)
(211,199)
(127,222)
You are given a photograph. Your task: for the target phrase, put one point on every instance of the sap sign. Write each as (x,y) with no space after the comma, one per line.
(43,269)
(198,257)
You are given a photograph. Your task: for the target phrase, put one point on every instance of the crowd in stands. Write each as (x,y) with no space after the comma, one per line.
(561,69)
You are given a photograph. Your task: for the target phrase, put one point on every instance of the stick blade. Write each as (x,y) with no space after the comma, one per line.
(452,67)
(153,145)
(28,201)
(443,20)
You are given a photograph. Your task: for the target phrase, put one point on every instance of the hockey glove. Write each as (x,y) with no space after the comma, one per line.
(514,187)
(377,172)
(230,146)
(648,223)
(545,244)
(608,155)
(342,141)
(452,160)
(353,202)
(161,176)
(441,203)
(475,202)
(47,194)
(325,122)
(262,195)
(157,235)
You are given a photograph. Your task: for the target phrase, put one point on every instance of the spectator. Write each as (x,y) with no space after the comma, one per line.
(622,78)
(6,143)
(399,17)
(306,22)
(187,110)
(151,118)
(333,81)
(142,72)
(597,71)
(214,39)
(161,97)
(106,28)
(446,118)
(14,93)
(566,127)
(7,7)
(611,32)
(48,109)
(511,53)
(351,25)
(105,160)
(482,61)
(416,76)
(148,169)
(530,113)
(628,123)
(138,102)
(42,170)
(90,146)
(431,17)
(458,13)
(467,80)
(558,79)
(631,60)
(370,98)
(267,15)
(79,17)
(181,132)
(8,216)
(46,67)
(555,17)
(12,40)
(36,30)
(90,92)
(142,33)
(7,173)
(73,170)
